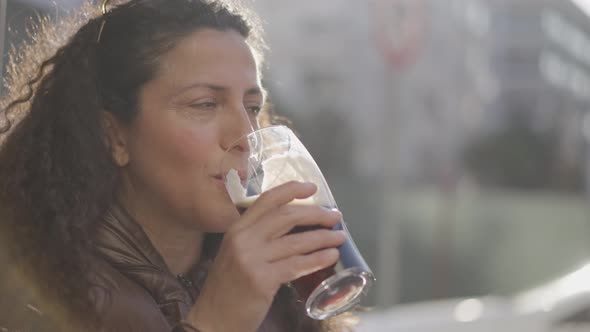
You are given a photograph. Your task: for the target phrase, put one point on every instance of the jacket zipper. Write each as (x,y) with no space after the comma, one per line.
(187,284)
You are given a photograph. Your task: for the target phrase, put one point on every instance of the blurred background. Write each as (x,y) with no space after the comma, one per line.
(455,137)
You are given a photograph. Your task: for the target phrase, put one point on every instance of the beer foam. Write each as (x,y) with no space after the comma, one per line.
(291,166)
(234,187)
(296,166)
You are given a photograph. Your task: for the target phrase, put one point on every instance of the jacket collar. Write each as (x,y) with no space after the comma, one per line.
(124,242)
(121,241)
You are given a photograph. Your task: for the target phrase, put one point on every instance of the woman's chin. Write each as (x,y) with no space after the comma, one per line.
(222,223)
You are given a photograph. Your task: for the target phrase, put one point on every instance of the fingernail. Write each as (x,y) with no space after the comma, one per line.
(336,213)
(310,184)
(333,252)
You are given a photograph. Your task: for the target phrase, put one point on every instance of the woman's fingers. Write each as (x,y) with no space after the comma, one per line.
(282,220)
(257,242)
(298,266)
(303,243)
(274,198)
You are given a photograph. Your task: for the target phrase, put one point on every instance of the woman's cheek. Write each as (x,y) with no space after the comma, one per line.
(194,146)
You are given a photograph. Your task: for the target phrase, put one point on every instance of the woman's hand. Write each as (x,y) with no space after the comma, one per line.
(257,255)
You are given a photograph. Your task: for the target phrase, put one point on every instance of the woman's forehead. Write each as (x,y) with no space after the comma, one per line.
(207,49)
(210,56)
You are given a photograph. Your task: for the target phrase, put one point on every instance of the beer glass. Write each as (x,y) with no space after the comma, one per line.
(272,156)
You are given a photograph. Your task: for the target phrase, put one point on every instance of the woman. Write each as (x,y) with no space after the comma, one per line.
(112,206)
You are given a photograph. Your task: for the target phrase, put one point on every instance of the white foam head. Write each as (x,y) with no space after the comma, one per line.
(282,168)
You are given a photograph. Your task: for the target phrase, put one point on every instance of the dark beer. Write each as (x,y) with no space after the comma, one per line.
(346,288)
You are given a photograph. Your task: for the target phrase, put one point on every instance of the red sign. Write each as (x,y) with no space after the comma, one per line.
(399,30)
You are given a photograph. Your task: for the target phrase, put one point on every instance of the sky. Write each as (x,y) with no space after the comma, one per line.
(584,5)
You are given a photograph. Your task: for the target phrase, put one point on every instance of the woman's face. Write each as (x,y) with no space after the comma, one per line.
(204,97)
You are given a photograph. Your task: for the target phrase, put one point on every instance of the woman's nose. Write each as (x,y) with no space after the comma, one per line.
(236,128)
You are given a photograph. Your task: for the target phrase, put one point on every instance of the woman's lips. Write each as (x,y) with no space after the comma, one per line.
(219,181)
(241,173)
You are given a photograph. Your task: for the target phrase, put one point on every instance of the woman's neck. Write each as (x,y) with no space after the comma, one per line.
(180,246)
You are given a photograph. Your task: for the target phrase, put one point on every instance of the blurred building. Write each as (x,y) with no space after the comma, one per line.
(541,58)
(484,61)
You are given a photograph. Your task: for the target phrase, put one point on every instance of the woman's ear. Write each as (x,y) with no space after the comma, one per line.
(116,138)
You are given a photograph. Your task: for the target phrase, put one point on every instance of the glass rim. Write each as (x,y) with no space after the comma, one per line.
(258,130)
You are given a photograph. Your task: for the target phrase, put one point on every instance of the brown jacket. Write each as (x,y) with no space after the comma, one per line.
(140,293)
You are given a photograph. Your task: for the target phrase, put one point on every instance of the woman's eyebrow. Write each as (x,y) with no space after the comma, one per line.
(219,88)
(255,91)
(201,85)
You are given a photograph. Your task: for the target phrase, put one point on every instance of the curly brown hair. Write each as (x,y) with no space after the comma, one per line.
(57,177)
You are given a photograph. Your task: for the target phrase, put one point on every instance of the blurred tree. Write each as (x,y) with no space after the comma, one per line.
(517,156)
(327,134)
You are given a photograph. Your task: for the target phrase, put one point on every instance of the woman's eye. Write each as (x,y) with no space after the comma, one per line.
(254,109)
(208,105)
